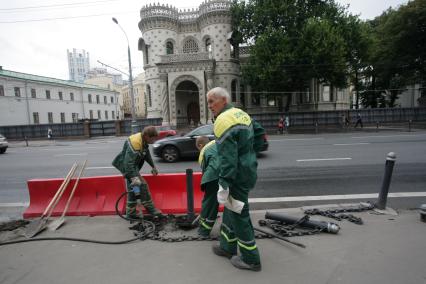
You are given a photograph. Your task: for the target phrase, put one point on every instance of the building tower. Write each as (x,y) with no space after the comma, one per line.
(186,53)
(78,64)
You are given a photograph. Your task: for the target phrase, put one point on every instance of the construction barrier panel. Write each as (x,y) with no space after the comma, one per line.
(97,196)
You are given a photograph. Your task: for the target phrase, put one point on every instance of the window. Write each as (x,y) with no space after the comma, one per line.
(97,99)
(74,117)
(50,117)
(99,114)
(36,118)
(33,93)
(48,94)
(208,45)
(146,55)
(62,117)
(234,90)
(255,99)
(91,114)
(17,91)
(113,114)
(105,100)
(112,100)
(148,91)
(106,114)
(326,93)
(190,46)
(60,96)
(1,90)
(169,47)
(89,97)
(71,96)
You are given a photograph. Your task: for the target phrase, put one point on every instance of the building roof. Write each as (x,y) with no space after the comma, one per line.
(42,79)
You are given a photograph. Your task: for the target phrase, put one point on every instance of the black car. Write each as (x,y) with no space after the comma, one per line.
(170,149)
(3,144)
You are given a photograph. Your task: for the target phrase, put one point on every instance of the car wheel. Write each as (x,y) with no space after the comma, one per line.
(2,151)
(170,154)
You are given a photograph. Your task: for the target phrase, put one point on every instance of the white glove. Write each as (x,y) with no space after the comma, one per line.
(136,181)
(222,195)
(154,171)
(234,205)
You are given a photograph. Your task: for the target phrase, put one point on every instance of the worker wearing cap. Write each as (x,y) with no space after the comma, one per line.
(129,162)
(209,184)
(237,162)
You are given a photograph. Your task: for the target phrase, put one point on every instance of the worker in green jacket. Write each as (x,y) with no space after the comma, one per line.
(233,130)
(209,184)
(129,162)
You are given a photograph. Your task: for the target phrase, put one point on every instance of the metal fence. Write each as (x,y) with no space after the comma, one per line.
(70,130)
(333,118)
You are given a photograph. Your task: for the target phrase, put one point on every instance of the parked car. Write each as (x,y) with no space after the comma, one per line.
(171,149)
(165,131)
(3,144)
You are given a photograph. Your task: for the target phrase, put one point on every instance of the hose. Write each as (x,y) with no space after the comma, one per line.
(141,235)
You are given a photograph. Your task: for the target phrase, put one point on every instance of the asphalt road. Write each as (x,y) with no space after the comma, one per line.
(302,166)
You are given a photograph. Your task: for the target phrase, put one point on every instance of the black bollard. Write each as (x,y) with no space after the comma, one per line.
(409,125)
(383,195)
(189,195)
(377,126)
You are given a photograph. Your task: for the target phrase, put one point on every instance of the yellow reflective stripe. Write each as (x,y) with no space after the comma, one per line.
(136,141)
(205,225)
(228,119)
(247,247)
(227,238)
(201,157)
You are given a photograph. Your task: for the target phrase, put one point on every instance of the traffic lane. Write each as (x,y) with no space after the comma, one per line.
(312,181)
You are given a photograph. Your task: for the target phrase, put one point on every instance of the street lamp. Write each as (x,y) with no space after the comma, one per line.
(134,126)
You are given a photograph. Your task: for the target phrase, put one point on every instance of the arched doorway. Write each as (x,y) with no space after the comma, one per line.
(187,104)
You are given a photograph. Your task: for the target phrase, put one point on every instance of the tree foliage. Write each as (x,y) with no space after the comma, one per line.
(397,55)
(293,41)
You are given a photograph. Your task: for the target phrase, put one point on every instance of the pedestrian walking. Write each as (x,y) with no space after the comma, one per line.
(49,134)
(129,162)
(281,125)
(237,162)
(358,120)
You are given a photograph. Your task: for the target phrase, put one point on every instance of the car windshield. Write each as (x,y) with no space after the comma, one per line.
(203,130)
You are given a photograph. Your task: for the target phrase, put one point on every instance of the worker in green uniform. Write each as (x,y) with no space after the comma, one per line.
(129,162)
(209,184)
(233,130)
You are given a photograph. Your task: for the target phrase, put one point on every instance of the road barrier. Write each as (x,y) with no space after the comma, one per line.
(97,196)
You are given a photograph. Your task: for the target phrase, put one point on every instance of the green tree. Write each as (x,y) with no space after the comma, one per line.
(293,41)
(398,56)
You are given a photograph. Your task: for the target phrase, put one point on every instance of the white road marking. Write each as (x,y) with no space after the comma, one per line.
(80,154)
(294,198)
(351,144)
(334,197)
(325,159)
(99,168)
(15,204)
(387,136)
(296,139)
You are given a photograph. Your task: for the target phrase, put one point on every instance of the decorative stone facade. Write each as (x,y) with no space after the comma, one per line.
(188,52)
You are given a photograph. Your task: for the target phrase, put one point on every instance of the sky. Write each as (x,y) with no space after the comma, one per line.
(35,34)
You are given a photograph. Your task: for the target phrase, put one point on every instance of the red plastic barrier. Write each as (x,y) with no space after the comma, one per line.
(98,195)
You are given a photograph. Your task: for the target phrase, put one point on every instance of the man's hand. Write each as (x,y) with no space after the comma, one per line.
(222,195)
(136,181)
(154,171)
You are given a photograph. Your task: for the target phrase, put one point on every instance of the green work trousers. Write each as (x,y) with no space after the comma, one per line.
(209,208)
(237,230)
(146,199)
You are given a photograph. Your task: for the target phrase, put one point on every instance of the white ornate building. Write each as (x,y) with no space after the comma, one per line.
(188,52)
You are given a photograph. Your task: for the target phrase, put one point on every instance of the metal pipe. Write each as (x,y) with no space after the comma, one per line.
(189,194)
(383,195)
(325,226)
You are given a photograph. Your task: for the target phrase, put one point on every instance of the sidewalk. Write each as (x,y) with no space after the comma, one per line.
(386,249)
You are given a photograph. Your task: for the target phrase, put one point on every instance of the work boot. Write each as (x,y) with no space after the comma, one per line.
(239,263)
(217,250)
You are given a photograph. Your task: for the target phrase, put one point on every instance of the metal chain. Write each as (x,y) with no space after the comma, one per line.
(289,230)
(333,213)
